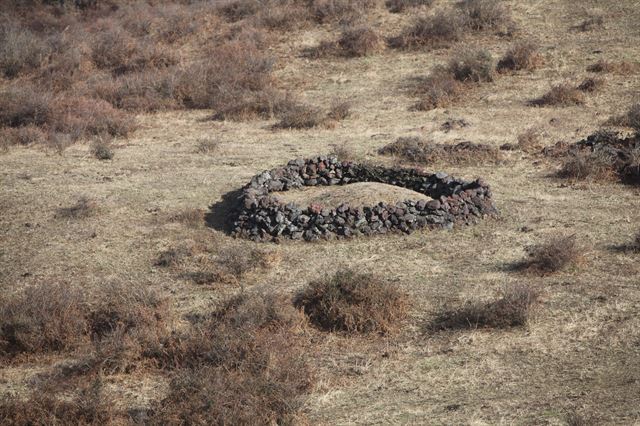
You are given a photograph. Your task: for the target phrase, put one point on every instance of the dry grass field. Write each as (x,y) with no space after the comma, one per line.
(124,300)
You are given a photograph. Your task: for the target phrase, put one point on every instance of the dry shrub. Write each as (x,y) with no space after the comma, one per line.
(207,145)
(560,95)
(523,55)
(359,41)
(283,16)
(82,116)
(343,11)
(439,90)
(417,150)
(353,302)
(20,49)
(629,119)
(512,309)
(239,260)
(88,406)
(529,141)
(174,256)
(193,218)
(42,318)
(23,106)
(27,135)
(472,65)
(591,84)
(102,148)
(301,116)
(81,209)
(592,165)
(115,50)
(486,15)
(399,6)
(622,67)
(553,255)
(339,110)
(243,363)
(591,23)
(438,31)
(263,104)
(236,10)
(174,22)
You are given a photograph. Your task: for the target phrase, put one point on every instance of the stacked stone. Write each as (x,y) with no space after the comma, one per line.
(264,217)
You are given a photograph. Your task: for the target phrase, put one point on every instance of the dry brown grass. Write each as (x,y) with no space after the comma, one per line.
(360,41)
(439,90)
(582,165)
(486,15)
(529,141)
(629,119)
(591,84)
(102,148)
(339,110)
(301,116)
(563,94)
(604,66)
(20,49)
(421,151)
(591,23)
(472,65)
(512,309)
(207,145)
(354,303)
(81,209)
(438,31)
(399,6)
(553,255)
(523,55)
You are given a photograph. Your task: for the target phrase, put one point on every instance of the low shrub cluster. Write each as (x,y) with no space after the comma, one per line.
(604,66)
(417,150)
(354,41)
(523,55)
(553,255)
(399,6)
(563,94)
(303,116)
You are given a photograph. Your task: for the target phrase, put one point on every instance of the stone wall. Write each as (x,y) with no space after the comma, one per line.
(261,216)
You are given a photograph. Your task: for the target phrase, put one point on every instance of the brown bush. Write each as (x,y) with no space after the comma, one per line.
(265,104)
(629,119)
(207,145)
(591,84)
(301,116)
(521,56)
(486,14)
(353,302)
(238,260)
(560,95)
(101,148)
(591,23)
(438,31)
(399,6)
(439,90)
(339,110)
(283,16)
(115,50)
(529,141)
(81,209)
(512,309)
(42,318)
(343,11)
(359,41)
(581,165)
(236,10)
(553,255)
(23,106)
(20,49)
(472,65)
(27,135)
(246,364)
(603,66)
(418,150)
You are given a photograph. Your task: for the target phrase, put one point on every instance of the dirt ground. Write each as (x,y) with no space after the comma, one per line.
(581,351)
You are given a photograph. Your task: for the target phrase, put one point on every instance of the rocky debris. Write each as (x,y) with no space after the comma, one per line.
(261,216)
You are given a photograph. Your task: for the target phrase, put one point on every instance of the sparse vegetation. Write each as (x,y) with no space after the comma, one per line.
(486,15)
(101,149)
(604,66)
(629,119)
(563,94)
(553,255)
(529,141)
(591,23)
(439,90)
(438,31)
(422,151)
(512,309)
(472,65)
(523,55)
(208,146)
(399,6)
(591,84)
(353,302)
(81,209)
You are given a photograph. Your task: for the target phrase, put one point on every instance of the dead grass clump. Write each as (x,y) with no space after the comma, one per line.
(399,6)
(591,23)
(339,110)
(193,218)
(20,49)
(438,31)
(283,16)
(41,318)
(512,309)
(239,260)
(82,117)
(23,106)
(82,209)
(593,165)
(342,11)
(521,56)
(243,363)
(359,41)
(630,119)
(603,66)
(102,149)
(173,256)
(472,65)
(591,84)
(236,10)
(553,255)
(27,135)
(529,141)
(561,95)
(353,302)
(301,116)
(439,90)
(207,145)
(417,150)
(115,50)
(486,15)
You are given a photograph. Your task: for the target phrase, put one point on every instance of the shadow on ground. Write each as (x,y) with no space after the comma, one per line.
(221,214)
